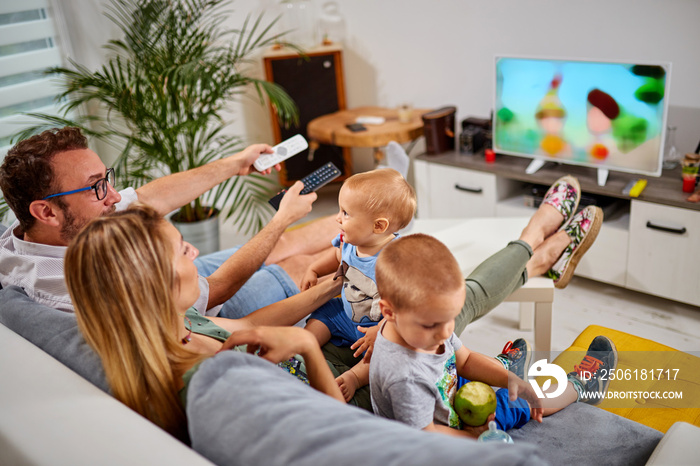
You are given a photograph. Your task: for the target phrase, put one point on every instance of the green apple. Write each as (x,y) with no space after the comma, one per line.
(474,403)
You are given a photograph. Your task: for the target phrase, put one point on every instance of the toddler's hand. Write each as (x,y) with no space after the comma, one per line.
(478,430)
(518,388)
(366,343)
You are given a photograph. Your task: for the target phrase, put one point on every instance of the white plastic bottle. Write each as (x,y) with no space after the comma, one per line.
(495,435)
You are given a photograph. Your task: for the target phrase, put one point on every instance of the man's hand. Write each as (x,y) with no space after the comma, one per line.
(518,388)
(366,343)
(177,189)
(293,205)
(250,154)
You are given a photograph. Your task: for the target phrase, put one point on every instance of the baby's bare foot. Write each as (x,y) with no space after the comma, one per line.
(348,384)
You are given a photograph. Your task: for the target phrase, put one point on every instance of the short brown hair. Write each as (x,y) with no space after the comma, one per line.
(412,269)
(387,193)
(26,174)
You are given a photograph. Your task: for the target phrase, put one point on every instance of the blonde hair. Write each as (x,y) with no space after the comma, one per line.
(412,269)
(120,274)
(387,194)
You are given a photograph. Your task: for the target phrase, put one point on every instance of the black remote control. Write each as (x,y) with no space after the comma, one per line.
(316,179)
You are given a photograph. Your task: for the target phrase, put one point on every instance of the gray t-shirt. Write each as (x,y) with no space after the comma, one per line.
(411,387)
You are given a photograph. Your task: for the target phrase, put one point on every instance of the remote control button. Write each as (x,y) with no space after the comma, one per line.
(281,151)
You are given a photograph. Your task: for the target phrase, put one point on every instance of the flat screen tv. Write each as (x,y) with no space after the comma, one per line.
(610,115)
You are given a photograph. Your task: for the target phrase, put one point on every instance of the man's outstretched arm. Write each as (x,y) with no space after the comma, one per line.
(238,268)
(173,191)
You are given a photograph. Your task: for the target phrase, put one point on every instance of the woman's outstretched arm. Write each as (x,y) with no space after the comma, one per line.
(277,344)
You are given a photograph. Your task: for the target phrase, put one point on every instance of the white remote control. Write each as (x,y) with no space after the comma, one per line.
(369,120)
(282,152)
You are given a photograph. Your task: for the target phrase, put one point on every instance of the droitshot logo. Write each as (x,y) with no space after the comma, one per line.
(543,368)
(640,379)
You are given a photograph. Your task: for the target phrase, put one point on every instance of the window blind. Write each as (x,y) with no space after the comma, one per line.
(28,46)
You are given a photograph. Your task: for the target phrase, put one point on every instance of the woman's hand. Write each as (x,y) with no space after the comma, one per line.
(329,288)
(275,344)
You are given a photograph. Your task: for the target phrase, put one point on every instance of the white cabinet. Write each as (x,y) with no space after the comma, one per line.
(664,251)
(444,191)
(654,249)
(606,261)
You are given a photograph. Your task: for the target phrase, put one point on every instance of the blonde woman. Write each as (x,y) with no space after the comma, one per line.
(133,282)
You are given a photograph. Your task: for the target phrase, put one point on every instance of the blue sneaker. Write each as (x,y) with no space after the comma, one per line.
(587,377)
(516,357)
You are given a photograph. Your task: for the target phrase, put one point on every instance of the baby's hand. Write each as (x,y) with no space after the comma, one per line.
(366,343)
(309,279)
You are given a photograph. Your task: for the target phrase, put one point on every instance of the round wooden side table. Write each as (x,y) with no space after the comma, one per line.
(331,129)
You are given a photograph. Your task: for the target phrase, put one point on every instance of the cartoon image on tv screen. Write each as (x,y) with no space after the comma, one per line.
(601,114)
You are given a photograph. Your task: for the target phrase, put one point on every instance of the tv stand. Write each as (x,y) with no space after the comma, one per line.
(536,164)
(630,251)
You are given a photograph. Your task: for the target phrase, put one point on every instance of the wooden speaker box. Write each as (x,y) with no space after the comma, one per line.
(315,83)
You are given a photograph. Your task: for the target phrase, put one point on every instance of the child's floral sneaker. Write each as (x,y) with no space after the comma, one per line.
(583,230)
(564,195)
(591,377)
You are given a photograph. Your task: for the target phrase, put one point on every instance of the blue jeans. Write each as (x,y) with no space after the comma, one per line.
(269,284)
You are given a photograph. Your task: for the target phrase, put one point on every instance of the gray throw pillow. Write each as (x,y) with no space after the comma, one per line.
(55,332)
(245,410)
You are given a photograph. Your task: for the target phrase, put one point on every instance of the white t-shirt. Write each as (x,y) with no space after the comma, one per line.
(38,268)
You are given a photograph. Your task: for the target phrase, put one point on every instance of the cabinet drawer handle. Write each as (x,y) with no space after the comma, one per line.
(678,231)
(469,190)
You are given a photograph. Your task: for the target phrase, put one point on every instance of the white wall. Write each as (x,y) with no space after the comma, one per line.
(439,52)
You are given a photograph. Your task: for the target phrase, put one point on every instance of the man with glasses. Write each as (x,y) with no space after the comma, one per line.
(55,185)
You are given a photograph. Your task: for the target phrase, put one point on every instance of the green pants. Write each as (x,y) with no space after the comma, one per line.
(487,286)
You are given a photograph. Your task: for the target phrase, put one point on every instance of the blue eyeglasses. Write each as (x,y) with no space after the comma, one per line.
(100,187)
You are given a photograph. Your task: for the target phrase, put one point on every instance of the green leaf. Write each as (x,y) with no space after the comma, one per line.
(163,91)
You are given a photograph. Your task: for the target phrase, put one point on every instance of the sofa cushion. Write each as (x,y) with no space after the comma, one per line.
(245,410)
(585,434)
(55,332)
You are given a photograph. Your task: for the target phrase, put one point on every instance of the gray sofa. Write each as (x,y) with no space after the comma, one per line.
(243,410)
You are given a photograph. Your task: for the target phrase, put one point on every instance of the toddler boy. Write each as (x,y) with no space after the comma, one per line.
(417,358)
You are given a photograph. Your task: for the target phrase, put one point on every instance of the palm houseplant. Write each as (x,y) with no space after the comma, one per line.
(161,96)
